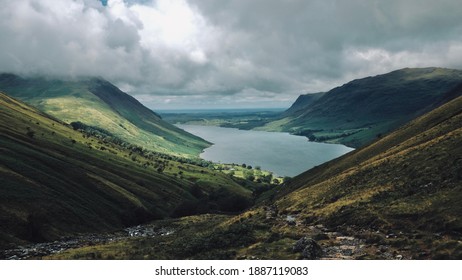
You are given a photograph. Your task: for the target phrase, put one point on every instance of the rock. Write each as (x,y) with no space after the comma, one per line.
(383,248)
(308,247)
(399,257)
(291,221)
(321,236)
(43,249)
(387,256)
(343,238)
(320,226)
(347,250)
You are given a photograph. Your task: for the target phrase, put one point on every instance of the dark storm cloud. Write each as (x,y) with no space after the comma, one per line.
(227,53)
(317,38)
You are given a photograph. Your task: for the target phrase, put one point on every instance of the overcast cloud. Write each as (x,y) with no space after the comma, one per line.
(235,53)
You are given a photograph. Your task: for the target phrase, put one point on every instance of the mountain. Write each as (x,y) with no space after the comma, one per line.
(97,103)
(302,103)
(397,198)
(56,181)
(360,111)
(408,183)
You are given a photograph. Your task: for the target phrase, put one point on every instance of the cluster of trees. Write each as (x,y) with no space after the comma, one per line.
(246,166)
(107,137)
(310,134)
(262,178)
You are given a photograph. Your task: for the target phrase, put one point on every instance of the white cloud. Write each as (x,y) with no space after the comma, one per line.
(206,52)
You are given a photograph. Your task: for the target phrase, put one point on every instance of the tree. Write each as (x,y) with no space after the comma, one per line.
(267,178)
(248,175)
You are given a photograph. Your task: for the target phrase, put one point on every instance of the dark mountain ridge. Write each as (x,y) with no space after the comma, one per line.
(302,103)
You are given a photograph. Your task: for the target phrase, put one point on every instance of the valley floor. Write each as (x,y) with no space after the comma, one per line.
(265,234)
(41,250)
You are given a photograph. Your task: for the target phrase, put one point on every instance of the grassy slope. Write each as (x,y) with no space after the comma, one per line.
(98,103)
(407,184)
(56,181)
(414,162)
(355,113)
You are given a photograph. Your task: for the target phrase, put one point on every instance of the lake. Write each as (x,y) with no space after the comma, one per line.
(282,153)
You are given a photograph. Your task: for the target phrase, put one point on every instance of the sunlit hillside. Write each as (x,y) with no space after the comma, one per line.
(57,182)
(96,102)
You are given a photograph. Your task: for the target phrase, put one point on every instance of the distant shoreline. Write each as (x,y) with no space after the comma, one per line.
(233,110)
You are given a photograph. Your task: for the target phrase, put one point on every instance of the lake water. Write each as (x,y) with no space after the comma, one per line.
(282,153)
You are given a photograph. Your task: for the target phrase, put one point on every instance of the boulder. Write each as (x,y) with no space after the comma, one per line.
(308,247)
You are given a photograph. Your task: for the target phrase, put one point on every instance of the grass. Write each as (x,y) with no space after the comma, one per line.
(358,112)
(354,114)
(59,181)
(407,184)
(98,103)
(408,181)
(399,186)
(195,237)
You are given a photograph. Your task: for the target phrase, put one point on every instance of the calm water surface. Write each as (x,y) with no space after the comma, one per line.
(281,153)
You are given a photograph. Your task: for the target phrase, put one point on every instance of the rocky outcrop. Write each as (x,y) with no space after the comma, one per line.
(308,248)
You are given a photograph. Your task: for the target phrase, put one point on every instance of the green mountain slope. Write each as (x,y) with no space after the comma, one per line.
(98,103)
(362,110)
(398,198)
(56,181)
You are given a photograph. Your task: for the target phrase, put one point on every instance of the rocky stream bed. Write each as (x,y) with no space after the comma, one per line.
(48,248)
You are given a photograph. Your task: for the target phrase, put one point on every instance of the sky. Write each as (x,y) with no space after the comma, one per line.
(183,54)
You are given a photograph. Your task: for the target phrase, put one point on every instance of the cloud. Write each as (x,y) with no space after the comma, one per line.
(207,53)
